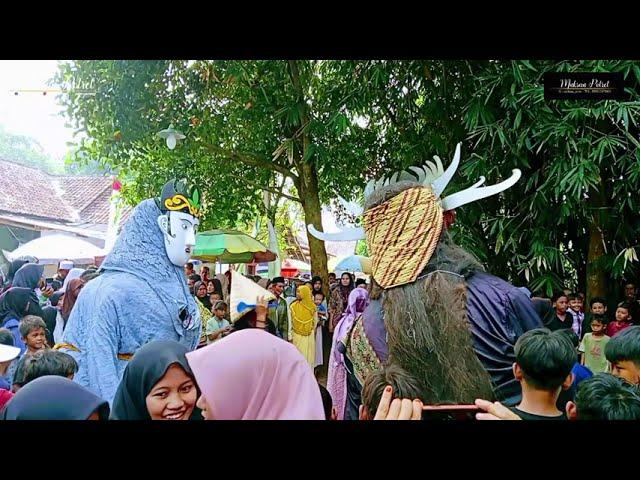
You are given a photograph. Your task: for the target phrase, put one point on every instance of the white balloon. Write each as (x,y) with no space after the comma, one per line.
(171,142)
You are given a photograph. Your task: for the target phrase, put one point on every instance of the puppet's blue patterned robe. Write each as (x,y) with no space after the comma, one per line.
(138,298)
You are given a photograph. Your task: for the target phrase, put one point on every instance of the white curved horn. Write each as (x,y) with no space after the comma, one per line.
(474,193)
(347,235)
(440,183)
(406,177)
(479,182)
(420,173)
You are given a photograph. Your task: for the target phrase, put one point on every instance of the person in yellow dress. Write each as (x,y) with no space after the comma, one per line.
(304,319)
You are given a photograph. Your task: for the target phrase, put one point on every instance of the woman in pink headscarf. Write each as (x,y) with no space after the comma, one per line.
(252,375)
(337,375)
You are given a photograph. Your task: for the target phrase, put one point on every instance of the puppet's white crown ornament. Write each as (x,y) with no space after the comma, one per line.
(437,178)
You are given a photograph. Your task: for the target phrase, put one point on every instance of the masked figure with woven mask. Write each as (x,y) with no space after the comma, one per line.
(435,314)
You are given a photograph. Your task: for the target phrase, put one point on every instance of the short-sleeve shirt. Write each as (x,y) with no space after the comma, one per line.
(593,349)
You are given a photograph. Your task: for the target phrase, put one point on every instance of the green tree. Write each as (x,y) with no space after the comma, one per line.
(249,125)
(25,151)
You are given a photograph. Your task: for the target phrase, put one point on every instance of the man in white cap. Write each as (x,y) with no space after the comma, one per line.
(63,270)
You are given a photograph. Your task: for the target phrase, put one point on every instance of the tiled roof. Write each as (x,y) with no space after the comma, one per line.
(78,200)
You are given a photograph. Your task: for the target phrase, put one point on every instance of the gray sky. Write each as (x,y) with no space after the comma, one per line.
(33,114)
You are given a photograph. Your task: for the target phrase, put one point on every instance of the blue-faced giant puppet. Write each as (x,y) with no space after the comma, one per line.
(439,327)
(141,294)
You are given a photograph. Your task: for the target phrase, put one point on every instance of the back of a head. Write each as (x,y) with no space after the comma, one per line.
(50,362)
(605,397)
(404,386)
(624,346)
(6,337)
(545,357)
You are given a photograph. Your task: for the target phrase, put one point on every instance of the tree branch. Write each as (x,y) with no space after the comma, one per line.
(275,192)
(252,160)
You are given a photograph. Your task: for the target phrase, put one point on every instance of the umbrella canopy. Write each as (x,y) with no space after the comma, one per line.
(351,263)
(292,268)
(51,249)
(230,246)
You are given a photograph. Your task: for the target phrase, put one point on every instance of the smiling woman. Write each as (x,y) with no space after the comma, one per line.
(157,385)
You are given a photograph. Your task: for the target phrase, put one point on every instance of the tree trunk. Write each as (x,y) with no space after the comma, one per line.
(312,208)
(596,277)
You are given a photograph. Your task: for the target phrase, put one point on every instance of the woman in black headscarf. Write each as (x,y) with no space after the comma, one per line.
(339,299)
(157,384)
(200,292)
(13,268)
(15,303)
(28,276)
(55,398)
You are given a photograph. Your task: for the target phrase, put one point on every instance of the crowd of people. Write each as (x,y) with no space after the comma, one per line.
(430,335)
(268,363)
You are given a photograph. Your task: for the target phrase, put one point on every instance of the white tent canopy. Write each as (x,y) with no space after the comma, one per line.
(51,249)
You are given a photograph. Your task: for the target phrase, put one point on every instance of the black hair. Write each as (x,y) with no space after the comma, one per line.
(573,296)
(332,274)
(361,281)
(6,337)
(624,346)
(557,295)
(571,335)
(545,357)
(195,277)
(625,305)
(597,300)
(598,317)
(30,323)
(327,401)
(605,397)
(219,305)
(189,265)
(21,370)
(315,279)
(50,362)
(318,293)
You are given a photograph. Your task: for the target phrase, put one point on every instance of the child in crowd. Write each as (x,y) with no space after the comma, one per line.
(318,299)
(218,325)
(544,360)
(33,332)
(593,345)
(605,397)
(623,351)
(623,319)
(562,318)
(50,362)
(575,305)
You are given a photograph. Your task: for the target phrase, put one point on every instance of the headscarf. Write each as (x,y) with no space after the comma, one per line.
(13,268)
(263,282)
(73,274)
(337,372)
(54,398)
(313,282)
(252,375)
(358,301)
(70,297)
(143,372)
(49,315)
(55,298)
(140,251)
(345,291)
(28,276)
(302,312)
(206,301)
(13,303)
